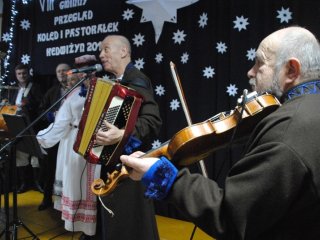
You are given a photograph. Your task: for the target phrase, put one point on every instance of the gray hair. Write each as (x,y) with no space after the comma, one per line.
(299,43)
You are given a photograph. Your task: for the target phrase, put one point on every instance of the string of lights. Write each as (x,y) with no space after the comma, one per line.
(11,34)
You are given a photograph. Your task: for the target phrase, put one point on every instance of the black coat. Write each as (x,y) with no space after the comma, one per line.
(50,97)
(273,192)
(134,215)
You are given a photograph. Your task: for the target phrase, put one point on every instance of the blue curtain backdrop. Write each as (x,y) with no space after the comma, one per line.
(211,42)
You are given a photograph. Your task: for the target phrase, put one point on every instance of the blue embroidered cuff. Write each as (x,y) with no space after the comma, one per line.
(159,179)
(83,91)
(50,117)
(131,145)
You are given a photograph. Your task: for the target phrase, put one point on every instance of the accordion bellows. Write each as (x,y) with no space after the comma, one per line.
(115,103)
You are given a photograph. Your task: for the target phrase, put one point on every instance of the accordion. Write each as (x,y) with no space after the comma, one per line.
(115,103)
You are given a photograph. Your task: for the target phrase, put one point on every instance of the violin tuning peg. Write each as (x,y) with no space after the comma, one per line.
(108,181)
(118,167)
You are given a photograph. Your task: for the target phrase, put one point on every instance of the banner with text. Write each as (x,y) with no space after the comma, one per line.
(64,30)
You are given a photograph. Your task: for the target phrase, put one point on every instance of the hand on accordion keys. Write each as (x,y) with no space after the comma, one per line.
(109,134)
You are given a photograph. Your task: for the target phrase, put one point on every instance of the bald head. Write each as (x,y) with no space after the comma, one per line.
(119,41)
(300,44)
(284,59)
(115,54)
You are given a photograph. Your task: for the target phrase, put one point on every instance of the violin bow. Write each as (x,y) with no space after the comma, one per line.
(177,82)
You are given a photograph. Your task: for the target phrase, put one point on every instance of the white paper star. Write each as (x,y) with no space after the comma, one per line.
(106,77)
(221,47)
(251,54)
(6,37)
(184,58)
(25,24)
(174,104)
(127,14)
(159,11)
(208,72)
(179,36)
(138,39)
(160,90)
(203,20)
(240,23)
(159,57)
(284,15)
(25,59)
(139,63)
(156,144)
(232,90)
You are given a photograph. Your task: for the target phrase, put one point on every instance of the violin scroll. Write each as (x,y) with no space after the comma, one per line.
(102,188)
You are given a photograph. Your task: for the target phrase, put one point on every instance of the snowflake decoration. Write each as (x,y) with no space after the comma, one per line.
(159,57)
(139,63)
(284,15)
(6,37)
(138,40)
(251,54)
(221,47)
(174,104)
(203,20)
(25,24)
(160,90)
(241,23)
(25,59)
(232,90)
(179,36)
(208,72)
(106,77)
(184,58)
(127,14)
(156,144)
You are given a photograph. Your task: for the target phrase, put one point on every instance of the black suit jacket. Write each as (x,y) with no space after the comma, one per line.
(149,121)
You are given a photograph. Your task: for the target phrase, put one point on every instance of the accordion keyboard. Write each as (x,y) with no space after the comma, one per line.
(110,116)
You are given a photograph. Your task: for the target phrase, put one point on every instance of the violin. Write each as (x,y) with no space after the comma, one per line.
(198,141)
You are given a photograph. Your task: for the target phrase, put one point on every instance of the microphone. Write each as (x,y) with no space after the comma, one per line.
(96,68)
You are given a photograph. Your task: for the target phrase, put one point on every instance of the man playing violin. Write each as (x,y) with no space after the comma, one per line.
(273,191)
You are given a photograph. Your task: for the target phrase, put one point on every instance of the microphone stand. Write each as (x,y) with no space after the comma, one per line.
(16,222)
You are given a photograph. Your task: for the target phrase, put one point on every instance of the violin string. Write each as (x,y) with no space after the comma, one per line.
(243,103)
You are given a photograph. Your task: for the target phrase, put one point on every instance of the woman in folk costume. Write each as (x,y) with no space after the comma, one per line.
(74,174)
